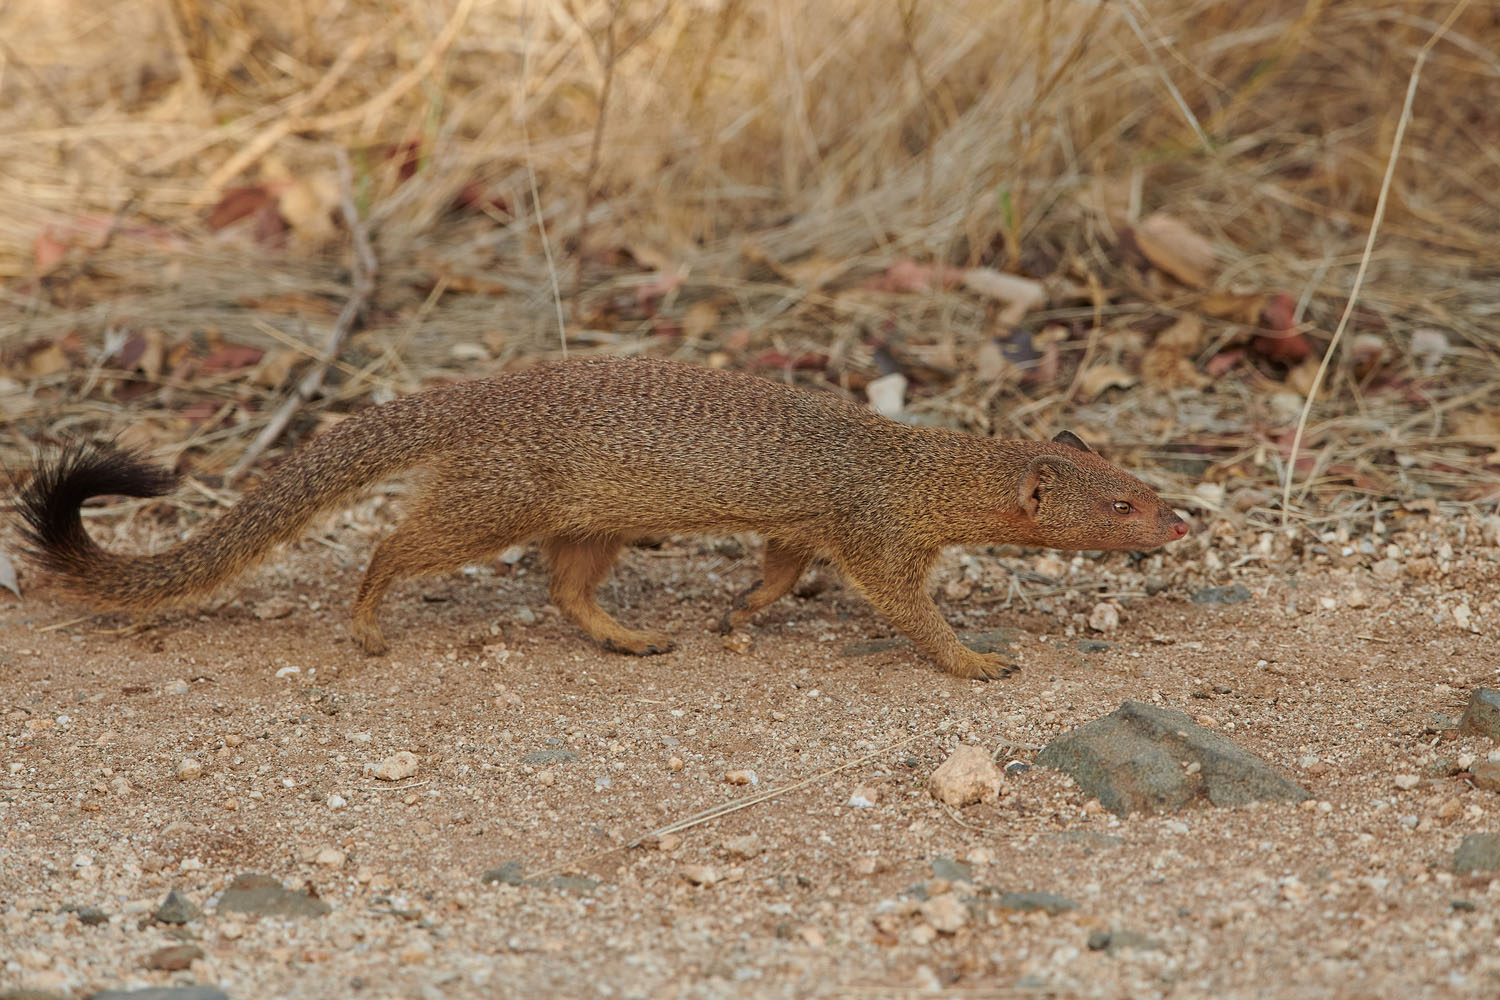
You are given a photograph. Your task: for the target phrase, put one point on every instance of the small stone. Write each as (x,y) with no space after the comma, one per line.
(1406,782)
(946,870)
(704,875)
(1113,941)
(92,916)
(273,608)
(1480,852)
(811,936)
(922,935)
(1104,618)
(669,842)
(747,846)
(189,769)
(173,958)
(510,873)
(546,778)
(397,766)
(674,763)
(864,797)
(741,777)
(1482,715)
(1356,599)
(330,857)
(945,913)
(1235,594)
(337,801)
(966,777)
(1387,570)
(176,909)
(264,895)
(1047,902)
(550,757)
(231,930)
(233,740)
(1486,775)
(738,642)
(980,856)
(1449,809)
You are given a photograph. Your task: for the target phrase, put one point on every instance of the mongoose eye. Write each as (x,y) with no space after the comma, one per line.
(1121,507)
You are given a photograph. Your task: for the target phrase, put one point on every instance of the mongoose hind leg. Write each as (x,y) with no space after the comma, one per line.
(782,565)
(578,567)
(895,583)
(430,540)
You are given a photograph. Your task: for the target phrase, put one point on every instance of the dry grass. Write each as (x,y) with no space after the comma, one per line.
(718,180)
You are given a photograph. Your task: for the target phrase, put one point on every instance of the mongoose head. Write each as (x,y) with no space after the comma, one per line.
(1077,500)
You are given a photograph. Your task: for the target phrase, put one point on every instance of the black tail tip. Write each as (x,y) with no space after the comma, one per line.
(61,484)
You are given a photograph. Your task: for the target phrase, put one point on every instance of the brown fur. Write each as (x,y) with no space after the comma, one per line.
(587,456)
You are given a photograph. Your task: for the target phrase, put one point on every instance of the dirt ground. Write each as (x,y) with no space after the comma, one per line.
(1336,669)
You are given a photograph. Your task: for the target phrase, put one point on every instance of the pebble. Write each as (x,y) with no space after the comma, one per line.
(546,778)
(173,958)
(966,777)
(1235,594)
(669,842)
(1486,775)
(1113,941)
(945,913)
(743,776)
(396,766)
(1482,715)
(547,758)
(812,937)
(864,797)
(1047,902)
(922,935)
(176,909)
(337,801)
(273,608)
(704,875)
(1480,852)
(674,763)
(264,895)
(1406,782)
(1105,617)
(747,846)
(1388,570)
(330,857)
(189,769)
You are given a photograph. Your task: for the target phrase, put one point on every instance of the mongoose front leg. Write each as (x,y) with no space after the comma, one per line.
(896,584)
(781,566)
(578,566)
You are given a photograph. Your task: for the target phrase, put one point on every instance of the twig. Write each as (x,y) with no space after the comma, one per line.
(364,269)
(1364,259)
(736,805)
(536,198)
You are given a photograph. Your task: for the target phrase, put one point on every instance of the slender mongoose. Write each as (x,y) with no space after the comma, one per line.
(585,456)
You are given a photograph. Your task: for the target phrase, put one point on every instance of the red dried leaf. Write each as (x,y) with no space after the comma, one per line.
(230,357)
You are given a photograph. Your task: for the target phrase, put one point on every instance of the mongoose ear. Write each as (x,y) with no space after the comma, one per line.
(1042,473)
(1071,440)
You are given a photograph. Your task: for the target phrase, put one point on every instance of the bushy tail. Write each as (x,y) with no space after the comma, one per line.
(336,466)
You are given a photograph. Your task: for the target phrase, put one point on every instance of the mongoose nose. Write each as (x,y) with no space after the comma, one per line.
(1179,530)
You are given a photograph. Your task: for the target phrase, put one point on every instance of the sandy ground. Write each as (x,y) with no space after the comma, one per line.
(1334,669)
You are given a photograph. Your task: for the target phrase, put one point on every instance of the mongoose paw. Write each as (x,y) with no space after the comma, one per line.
(641,643)
(371,641)
(982,667)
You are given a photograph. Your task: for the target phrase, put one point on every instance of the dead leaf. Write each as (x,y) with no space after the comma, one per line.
(238,203)
(47,252)
(48,361)
(1429,347)
(1168,363)
(1237,307)
(1104,376)
(1300,378)
(906,276)
(700,318)
(275,367)
(308,206)
(1021,295)
(8,574)
(230,357)
(1172,246)
(1481,427)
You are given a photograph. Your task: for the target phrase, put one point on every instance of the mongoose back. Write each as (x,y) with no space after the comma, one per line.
(585,456)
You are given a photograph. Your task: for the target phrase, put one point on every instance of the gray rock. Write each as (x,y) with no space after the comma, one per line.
(1094,646)
(1092,840)
(546,758)
(176,909)
(510,873)
(1482,716)
(514,873)
(173,958)
(1234,594)
(163,993)
(953,871)
(1480,852)
(1048,902)
(265,896)
(29,995)
(1113,941)
(1140,758)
